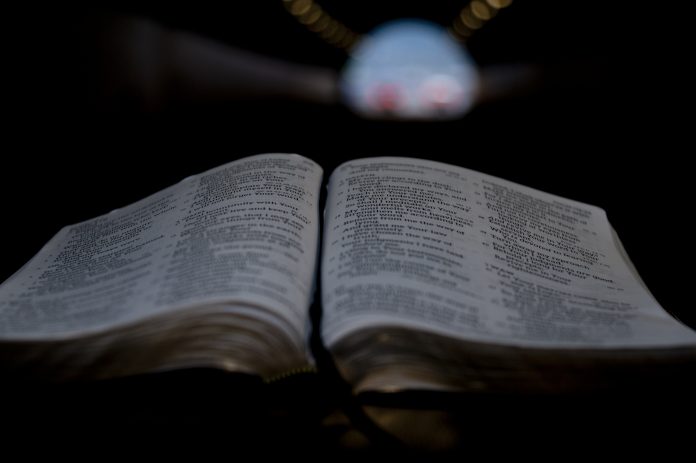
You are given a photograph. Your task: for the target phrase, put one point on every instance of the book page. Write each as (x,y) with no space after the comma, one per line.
(245,232)
(420,244)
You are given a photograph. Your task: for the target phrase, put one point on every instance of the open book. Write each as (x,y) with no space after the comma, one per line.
(431,276)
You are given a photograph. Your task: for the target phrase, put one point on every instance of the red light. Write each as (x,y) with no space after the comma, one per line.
(387,96)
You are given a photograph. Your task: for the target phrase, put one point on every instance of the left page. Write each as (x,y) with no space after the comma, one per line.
(245,233)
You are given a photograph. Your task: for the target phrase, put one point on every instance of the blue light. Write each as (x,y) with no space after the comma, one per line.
(410,69)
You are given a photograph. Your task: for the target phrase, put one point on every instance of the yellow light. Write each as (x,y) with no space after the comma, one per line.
(312,15)
(460,29)
(481,10)
(300,7)
(321,24)
(330,29)
(469,20)
(338,34)
(499,4)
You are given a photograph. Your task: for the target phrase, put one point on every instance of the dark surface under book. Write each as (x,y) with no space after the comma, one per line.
(206,413)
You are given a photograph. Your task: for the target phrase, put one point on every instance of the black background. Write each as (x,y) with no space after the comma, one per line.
(604,127)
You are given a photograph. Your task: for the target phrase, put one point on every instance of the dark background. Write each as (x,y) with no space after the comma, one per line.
(604,126)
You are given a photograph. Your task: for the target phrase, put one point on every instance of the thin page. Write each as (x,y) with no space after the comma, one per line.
(425,245)
(244,233)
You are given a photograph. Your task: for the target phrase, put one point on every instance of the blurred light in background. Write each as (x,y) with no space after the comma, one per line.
(410,69)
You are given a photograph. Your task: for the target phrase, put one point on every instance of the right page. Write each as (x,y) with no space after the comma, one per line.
(423,245)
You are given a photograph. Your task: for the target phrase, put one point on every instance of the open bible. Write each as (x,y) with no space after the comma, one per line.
(430,276)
